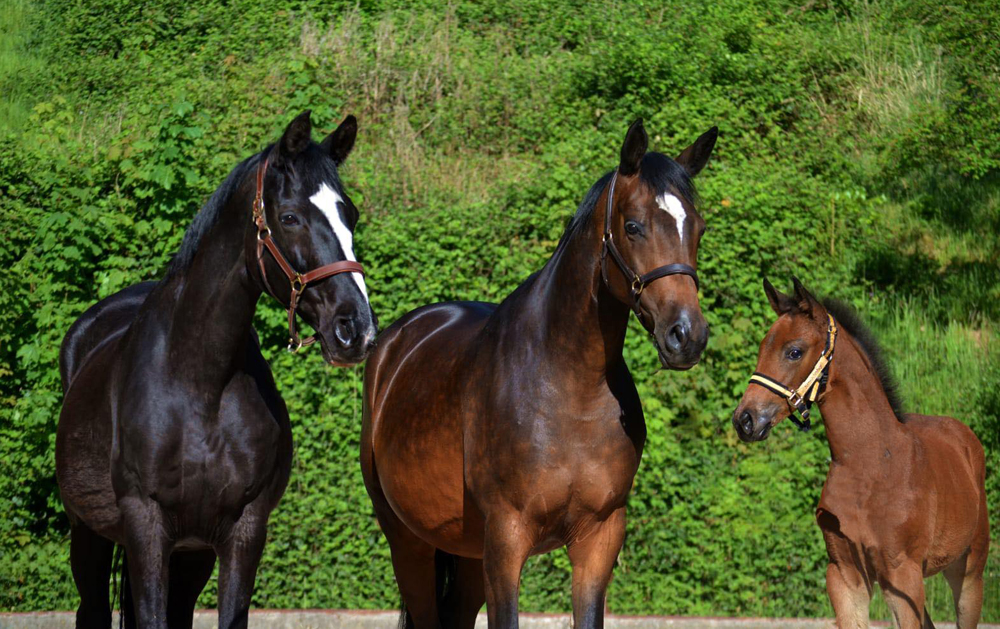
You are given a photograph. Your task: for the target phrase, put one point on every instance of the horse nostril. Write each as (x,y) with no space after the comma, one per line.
(746,423)
(346,331)
(677,336)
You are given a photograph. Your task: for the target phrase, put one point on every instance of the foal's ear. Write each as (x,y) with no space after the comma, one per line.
(694,157)
(297,136)
(780,303)
(339,143)
(633,149)
(804,299)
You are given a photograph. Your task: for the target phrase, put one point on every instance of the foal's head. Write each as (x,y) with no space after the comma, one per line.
(655,223)
(787,355)
(312,220)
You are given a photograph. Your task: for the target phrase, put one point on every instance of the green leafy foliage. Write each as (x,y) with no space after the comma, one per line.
(858,150)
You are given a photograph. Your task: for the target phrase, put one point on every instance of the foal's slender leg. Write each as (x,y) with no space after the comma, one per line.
(148,550)
(593,558)
(506,548)
(967,590)
(90,557)
(904,592)
(849,596)
(189,572)
(238,561)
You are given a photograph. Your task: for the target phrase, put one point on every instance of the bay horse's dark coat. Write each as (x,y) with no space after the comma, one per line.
(905,497)
(173,440)
(494,432)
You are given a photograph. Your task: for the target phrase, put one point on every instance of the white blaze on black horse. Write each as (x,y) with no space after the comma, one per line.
(493,432)
(173,440)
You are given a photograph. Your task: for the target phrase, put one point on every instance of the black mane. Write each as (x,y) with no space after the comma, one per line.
(206,218)
(849,319)
(658,171)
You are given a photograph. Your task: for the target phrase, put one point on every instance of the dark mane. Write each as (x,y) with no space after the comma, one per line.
(849,319)
(658,171)
(209,215)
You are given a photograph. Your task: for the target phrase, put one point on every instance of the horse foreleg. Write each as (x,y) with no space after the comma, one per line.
(239,557)
(189,572)
(848,594)
(965,576)
(903,588)
(593,557)
(147,549)
(505,549)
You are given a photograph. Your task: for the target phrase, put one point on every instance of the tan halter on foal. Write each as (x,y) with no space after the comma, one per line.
(803,397)
(297,281)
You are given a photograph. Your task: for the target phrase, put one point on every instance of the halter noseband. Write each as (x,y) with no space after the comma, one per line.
(297,281)
(639,282)
(802,398)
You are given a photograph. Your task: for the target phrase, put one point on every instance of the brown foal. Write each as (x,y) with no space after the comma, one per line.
(905,496)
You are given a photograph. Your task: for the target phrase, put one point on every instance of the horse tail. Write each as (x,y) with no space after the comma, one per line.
(445,567)
(119,576)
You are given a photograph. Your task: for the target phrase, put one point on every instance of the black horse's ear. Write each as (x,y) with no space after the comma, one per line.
(633,149)
(780,303)
(339,143)
(804,299)
(694,157)
(297,136)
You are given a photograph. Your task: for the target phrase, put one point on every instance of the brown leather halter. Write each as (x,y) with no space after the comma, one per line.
(297,281)
(639,282)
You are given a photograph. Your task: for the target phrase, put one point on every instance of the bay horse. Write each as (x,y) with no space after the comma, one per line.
(173,441)
(492,432)
(905,496)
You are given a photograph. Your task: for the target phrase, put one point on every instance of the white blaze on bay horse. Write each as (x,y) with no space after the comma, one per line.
(173,441)
(673,206)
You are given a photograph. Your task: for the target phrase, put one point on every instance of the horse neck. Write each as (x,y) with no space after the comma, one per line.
(210,305)
(860,422)
(583,323)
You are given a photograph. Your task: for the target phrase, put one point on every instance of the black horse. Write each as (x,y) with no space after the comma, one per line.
(173,440)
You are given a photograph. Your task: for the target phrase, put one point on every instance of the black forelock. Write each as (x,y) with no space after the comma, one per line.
(661,173)
(849,319)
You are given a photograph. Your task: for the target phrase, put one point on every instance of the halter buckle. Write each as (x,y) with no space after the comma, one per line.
(297,284)
(294,345)
(637,286)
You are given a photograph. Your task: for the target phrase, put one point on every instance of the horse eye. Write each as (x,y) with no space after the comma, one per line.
(794,354)
(631,227)
(289,219)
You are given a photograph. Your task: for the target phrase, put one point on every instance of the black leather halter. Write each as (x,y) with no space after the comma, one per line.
(639,282)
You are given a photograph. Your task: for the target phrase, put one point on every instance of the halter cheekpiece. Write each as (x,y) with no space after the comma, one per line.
(638,282)
(297,281)
(802,398)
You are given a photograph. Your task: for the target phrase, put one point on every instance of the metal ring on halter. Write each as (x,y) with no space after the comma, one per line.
(294,346)
(264,234)
(637,282)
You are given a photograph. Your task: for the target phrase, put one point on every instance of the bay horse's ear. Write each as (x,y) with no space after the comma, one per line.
(297,136)
(633,149)
(694,157)
(780,303)
(804,299)
(339,143)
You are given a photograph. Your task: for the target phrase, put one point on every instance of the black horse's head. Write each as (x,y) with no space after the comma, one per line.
(654,224)
(312,221)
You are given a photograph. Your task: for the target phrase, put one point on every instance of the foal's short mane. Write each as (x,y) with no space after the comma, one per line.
(209,215)
(849,319)
(658,171)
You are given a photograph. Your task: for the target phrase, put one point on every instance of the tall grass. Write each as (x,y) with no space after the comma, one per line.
(940,369)
(17,63)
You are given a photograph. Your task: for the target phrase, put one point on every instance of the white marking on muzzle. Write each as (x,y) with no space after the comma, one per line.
(327,200)
(673,206)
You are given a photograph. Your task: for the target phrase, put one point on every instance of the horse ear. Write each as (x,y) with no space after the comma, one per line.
(780,303)
(804,299)
(297,135)
(694,157)
(339,143)
(633,149)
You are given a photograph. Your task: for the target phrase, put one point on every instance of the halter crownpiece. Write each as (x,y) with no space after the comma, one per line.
(297,281)
(638,282)
(802,398)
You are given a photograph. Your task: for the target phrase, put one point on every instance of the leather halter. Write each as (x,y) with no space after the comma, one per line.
(639,282)
(802,398)
(297,281)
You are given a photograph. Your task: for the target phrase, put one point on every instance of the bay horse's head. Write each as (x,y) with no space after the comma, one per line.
(792,364)
(311,220)
(652,231)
